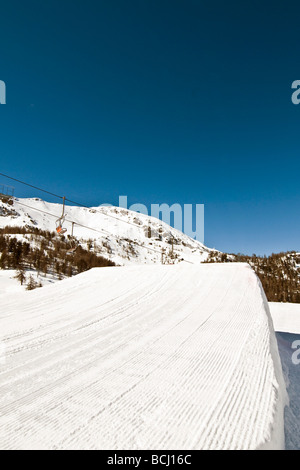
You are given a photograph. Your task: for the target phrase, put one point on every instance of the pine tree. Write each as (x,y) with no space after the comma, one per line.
(32,284)
(20,275)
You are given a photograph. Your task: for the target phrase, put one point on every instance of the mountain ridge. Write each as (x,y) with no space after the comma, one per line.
(91,237)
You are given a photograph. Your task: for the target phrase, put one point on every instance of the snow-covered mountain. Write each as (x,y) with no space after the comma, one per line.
(172,335)
(122,236)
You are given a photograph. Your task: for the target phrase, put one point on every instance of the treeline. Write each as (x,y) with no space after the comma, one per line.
(278,273)
(45,253)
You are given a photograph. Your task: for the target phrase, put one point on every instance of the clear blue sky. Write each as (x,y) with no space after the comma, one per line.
(163,101)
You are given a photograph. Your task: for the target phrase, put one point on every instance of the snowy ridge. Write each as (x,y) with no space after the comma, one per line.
(142,357)
(121,235)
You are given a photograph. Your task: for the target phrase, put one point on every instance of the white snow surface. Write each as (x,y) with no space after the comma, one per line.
(292,379)
(142,357)
(286,317)
(8,283)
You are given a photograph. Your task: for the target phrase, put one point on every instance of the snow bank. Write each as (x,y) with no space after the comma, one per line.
(277,429)
(292,379)
(147,357)
(286,317)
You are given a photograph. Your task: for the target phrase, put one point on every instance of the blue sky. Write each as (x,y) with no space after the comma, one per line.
(178,102)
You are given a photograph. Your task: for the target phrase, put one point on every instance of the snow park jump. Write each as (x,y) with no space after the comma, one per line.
(142,357)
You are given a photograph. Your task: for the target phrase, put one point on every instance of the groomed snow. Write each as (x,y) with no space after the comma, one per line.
(142,357)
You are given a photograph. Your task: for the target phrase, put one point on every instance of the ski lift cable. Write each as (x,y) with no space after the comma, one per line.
(84,226)
(81,205)
(31,186)
(66,220)
(108,215)
(73,202)
(57,217)
(66,199)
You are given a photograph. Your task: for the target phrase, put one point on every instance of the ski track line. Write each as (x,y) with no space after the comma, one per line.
(71,314)
(209,350)
(64,377)
(88,338)
(181,360)
(130,389)
(40,389)
(34,342)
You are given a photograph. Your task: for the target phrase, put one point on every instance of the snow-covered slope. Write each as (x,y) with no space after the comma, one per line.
(142,357)
(8,283)
(121,235)
(286,317)
(288,354)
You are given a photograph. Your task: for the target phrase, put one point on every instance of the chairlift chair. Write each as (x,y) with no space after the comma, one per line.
(59,226)
(59,223)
